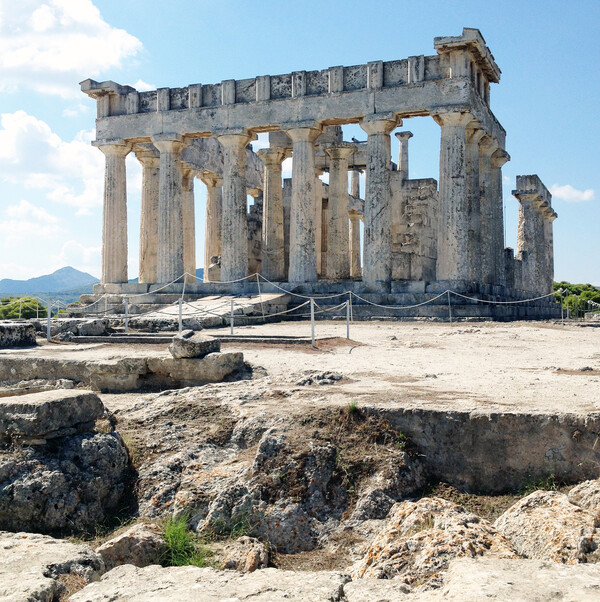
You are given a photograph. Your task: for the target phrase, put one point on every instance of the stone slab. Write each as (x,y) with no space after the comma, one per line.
(30,565)
(13,334)
(48,414)
(190,345)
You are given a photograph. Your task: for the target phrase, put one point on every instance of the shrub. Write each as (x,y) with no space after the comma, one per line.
(183,546)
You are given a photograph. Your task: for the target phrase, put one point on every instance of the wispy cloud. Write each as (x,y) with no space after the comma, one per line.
(50,45)
(570,194)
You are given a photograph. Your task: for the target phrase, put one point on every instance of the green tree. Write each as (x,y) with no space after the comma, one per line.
(13,308)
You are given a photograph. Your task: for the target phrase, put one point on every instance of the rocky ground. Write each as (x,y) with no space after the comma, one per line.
(303,468)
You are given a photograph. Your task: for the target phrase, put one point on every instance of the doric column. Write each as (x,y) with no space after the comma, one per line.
(526,239)
(214,218)
(234,233)
(473,136)
(355,183)
(377,265)
(114,223)
(550,215)
(303,250)
(499,158)
(452,251)
(403,138)
(273,265)
(189,223)
(487,147)
(150,161)
(338,234)
(355,270)
(170,218)
(541,253)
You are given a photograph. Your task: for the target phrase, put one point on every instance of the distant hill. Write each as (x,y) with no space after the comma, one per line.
(63,280)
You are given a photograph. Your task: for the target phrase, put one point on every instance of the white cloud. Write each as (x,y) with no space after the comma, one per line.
(76,110)
(50,46)
(73,253)
(31,154)
(26,222)
(142,86)
(571,195)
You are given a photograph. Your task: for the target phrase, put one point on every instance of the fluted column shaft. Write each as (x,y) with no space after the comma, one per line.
(273,264)
(355,183)
(526,239)
(189,224)
(473,136)
(499,158)
(550,216)
(487,147)
(338,232)
(377,266)
(355,270)
(214,218)
(170,217)
(403,138)
(234,232)
(114,221)
(149,216)
(303,250)
(452,251)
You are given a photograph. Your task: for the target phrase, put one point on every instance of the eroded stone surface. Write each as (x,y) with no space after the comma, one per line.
(420,538)
(207,585)
(246,554)
(16,335)
(30,565)
(141,545)
(69,485)
(586,495)
(48,414)
(546,526)
(190,345)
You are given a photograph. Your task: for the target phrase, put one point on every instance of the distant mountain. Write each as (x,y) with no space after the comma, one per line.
(63,280)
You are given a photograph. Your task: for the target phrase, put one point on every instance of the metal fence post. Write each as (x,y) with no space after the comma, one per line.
(231,319)
(449,308)
(126,302)
(180,315)
(348,319)
(49,313)
(312,321)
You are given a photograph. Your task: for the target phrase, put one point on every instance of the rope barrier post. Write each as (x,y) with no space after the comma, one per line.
(562,308)
(49,312)
(126,302)
(231,319)
(348,320)
(449,308)
(20,306)
(180,316)
(262,307)
(105,306)
(312,321)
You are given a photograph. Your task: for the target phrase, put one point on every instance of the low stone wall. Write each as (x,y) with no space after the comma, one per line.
(494,452)
(16,334)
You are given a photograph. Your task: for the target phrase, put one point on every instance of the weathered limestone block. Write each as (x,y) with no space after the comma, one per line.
(215,367)
(190,345)
(16,335)
(90,328)
(586,495)
(154,584)
(420,538)
(31,565)
(48,414)
(141,545)
(546,526)
(246,554)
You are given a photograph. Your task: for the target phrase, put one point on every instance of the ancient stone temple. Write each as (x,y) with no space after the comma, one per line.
(420,236)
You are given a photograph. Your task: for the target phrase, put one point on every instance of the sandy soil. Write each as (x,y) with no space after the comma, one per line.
(519,366)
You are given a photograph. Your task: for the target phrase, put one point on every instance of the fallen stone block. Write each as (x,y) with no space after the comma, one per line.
(547,526)
(48,414)
(190,345)
(586,495)
(173,584)
(32,565)
(141,545)
(246,554)
(14,334)
(92,328)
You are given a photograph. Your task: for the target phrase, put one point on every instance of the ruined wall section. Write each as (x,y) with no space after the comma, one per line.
(414,231)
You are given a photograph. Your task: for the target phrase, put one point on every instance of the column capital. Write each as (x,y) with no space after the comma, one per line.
(500,157)
(526,196)
(403,136)
(234,140)
(379,123)
(211,179)
(453,118)
(474,134)
(271,156)
(488,146)
(302,131)
(168,142)
(147,154)
(339,150)
(113,147)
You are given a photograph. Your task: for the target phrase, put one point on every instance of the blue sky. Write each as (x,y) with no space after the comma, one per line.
(51,178)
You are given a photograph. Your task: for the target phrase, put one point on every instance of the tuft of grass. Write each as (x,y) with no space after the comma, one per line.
(548,483)
(353,407)
(183,546)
